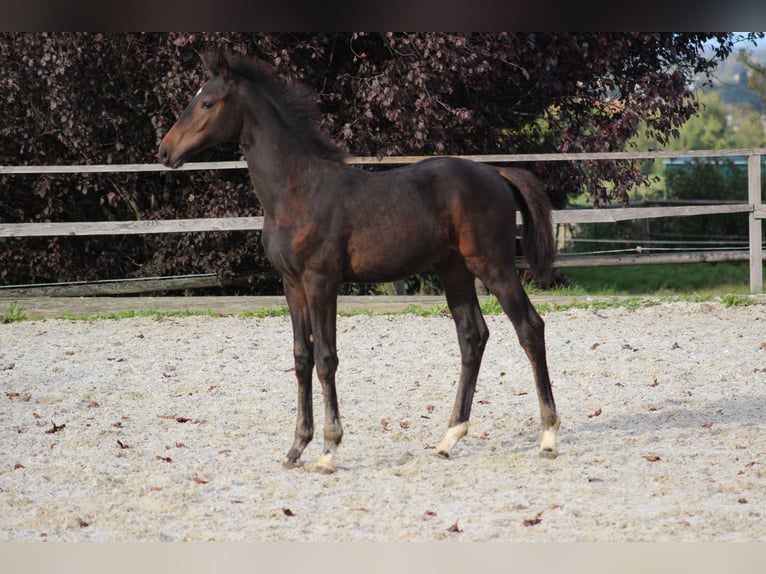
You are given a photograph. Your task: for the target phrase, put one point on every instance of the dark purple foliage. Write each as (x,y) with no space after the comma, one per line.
(108,98)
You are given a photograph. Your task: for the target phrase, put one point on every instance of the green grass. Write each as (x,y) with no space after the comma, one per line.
(130,314)
(14,313)
(268,312)
(693,278)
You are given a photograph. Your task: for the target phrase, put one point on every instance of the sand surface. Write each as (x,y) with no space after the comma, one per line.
(175,429)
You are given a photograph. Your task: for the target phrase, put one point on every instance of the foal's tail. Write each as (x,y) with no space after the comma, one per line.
(537,241)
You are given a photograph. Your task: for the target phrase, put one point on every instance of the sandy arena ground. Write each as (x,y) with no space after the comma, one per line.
(174,429)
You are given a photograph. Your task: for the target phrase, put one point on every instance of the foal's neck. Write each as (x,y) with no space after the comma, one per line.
(283,172)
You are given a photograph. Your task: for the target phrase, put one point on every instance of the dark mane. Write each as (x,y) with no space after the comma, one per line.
(294,103)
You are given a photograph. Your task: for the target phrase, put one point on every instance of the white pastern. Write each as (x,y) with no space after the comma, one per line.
(325,464)
(450,439)
(548,445)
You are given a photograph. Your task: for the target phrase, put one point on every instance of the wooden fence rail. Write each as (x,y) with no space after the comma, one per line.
(754,207)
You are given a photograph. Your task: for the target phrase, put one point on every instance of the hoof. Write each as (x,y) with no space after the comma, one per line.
(549,453)
(323,469)
(324,465)
(442,454)
(287,463)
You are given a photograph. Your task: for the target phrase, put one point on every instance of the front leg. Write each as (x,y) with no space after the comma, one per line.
(321,295)
(304,365)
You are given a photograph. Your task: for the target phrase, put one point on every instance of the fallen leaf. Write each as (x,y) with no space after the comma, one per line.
(483,402)
(93,405)
(707,425)
(595,414)
(742,500)
(484,436)
(404,424)
(287,512)
(752,464)
(430,409)
(18,465)
(117,425)
(652,457)
(182,419)
(122,445)
(81,523)
(740,446)
(164,458)
(55,428)
(429,447)
(594,346)
(384,423)
(429,514)
(454,528)
(675,345)
(593,479)
(69,353)
(762,346)
(199,480)
(533,521)
(655,382)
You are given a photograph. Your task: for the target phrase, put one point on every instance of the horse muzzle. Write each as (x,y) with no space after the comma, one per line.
(165,156)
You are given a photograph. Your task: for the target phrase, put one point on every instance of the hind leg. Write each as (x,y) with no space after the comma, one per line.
(472,335)
(530,330)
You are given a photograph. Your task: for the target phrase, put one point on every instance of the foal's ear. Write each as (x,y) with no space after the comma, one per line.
(215,63)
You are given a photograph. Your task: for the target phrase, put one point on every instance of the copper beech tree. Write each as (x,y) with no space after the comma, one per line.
(108,98)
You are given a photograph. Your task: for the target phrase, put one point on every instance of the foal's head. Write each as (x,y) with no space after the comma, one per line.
(241,87)
(214,115)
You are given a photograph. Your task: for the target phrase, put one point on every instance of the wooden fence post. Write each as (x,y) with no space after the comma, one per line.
(756,228)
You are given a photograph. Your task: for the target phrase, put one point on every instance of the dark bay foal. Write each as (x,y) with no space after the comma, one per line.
(326,222)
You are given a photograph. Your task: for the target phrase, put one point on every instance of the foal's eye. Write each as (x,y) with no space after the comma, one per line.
(207,105)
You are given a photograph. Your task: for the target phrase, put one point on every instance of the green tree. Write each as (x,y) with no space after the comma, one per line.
(706,130)
(756,74)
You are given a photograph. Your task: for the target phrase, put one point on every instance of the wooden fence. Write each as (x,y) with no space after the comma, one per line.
(753,207)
